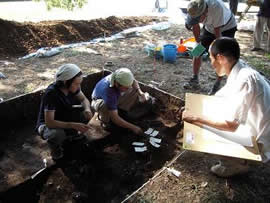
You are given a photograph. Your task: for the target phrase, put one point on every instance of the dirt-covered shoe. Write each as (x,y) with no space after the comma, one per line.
(229,171)
(41,130)
(193,83)
(256,49)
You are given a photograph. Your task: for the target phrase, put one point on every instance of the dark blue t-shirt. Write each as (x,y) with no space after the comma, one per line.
(55,99)
(110,95)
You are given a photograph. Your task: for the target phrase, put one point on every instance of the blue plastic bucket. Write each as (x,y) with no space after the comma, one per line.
(169,53)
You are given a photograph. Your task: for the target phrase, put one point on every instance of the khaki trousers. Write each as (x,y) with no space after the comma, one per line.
(259,31)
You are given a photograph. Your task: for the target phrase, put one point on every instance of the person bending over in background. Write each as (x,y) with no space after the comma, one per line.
(217,21)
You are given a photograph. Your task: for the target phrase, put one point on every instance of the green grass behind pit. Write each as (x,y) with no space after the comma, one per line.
(260,64)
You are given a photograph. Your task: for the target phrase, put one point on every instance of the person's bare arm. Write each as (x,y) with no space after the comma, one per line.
(52,123)
(86,105)
(199,121)
(196,32)
(142,95)
(136,86)
(122,123)
(217,32)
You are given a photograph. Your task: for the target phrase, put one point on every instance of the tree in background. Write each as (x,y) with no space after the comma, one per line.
(65,4)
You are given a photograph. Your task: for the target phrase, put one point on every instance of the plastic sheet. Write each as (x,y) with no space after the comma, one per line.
(47,51)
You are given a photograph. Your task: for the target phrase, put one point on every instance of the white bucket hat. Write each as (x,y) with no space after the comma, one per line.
(66,72)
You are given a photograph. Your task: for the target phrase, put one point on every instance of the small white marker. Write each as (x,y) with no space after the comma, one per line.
(156,140)
(174,172)
(149,131)
(45,163)
(137,143)
(140,149)
(154,144)
(154,134)
(77,106)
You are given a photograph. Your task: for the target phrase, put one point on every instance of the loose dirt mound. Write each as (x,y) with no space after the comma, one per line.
(17,39)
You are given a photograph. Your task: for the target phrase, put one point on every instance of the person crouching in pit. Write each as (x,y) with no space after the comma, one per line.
(57,119)
(117,91)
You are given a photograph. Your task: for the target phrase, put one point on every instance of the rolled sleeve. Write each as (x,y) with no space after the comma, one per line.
(49,102)
(238,104)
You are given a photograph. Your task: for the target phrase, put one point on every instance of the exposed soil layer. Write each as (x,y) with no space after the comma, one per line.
(106,170)
(18,39)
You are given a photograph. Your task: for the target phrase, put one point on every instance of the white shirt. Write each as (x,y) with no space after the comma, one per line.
(218,15)
(247,95)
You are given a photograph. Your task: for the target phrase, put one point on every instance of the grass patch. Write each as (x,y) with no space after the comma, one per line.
(71,53)
(268,56)
(29,88)
(260,64)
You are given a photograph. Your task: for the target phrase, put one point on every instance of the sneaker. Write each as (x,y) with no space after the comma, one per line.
(256,49)
(41,130)
(215,88)
(226,171)
(205,56)
(193,83)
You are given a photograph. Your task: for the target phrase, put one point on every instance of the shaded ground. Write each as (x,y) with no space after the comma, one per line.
(195,184)
(100,171)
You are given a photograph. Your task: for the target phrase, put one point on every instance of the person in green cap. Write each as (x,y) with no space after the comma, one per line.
(118,90)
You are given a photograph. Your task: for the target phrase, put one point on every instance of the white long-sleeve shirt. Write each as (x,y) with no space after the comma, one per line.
(247,99)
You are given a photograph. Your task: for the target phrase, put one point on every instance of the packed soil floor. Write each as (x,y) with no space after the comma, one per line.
(196,183)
